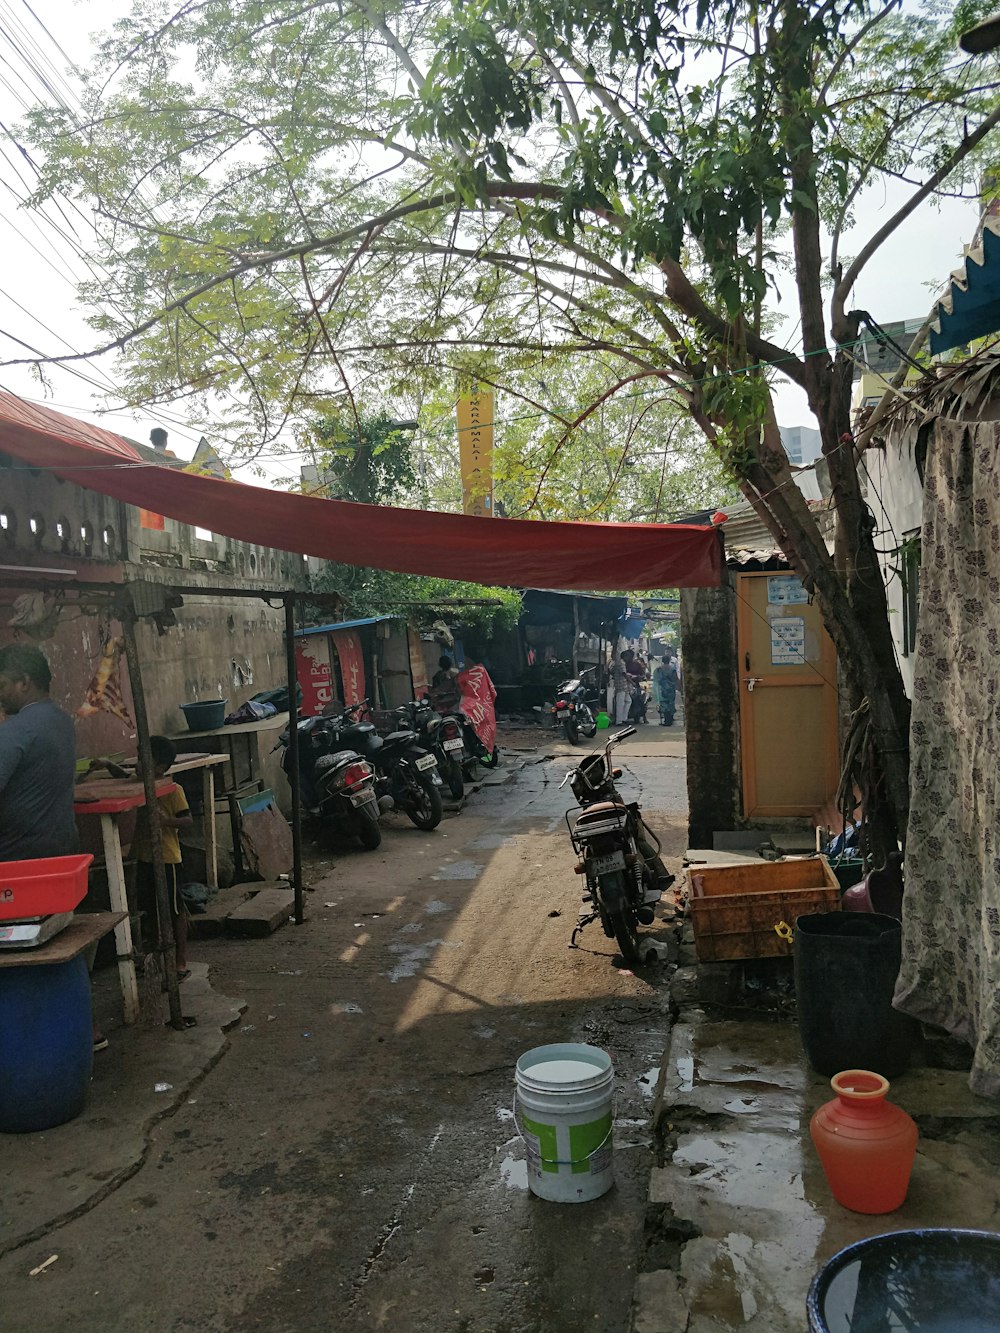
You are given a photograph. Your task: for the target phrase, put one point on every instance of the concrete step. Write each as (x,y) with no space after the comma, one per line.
(263,913)
(212,921)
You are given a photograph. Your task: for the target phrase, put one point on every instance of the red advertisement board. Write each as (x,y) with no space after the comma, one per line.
(315,680)
(352,664)
(477,703)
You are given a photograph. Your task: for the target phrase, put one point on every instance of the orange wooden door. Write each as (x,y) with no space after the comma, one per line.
(788,699)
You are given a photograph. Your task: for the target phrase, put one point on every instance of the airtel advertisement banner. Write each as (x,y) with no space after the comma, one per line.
(352,664)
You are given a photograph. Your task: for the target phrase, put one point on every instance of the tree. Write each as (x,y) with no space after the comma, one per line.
(298,195)
(366,459)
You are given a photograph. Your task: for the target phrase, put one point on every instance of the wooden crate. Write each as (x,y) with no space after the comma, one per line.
(734,909)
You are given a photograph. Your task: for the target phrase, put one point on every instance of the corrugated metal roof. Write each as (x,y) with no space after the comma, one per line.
(970,308)
(342,624)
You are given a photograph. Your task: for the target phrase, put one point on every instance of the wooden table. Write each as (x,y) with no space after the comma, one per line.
(109,798)
(247,732)
(186,763)
(83,931)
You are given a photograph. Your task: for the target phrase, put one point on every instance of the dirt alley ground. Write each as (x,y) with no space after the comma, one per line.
(351,1163)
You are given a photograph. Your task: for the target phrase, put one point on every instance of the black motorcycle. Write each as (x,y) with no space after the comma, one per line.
(573,708)
(337,786)
(440,736)
(405,770)
(618,853)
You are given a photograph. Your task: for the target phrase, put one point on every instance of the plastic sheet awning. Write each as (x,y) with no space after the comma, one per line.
(494,551)
(970,308)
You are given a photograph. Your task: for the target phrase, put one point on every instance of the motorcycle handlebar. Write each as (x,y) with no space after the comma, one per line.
(623,735)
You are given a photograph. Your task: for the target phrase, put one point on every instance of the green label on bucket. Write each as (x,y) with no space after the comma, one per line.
(584,1141)
(547,1146)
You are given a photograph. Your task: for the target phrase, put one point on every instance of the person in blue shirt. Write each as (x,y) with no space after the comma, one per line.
(37,768)
(37,761)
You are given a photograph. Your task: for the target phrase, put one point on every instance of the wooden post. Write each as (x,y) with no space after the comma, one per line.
(208,824)
(293,756)
(165,920)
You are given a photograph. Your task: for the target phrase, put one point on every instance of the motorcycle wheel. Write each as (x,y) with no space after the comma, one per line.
(455,779)
(571,731)
(424,806)
(369,832)
(623,923)
(586,722)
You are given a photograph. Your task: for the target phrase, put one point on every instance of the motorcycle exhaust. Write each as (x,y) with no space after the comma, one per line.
(385,804)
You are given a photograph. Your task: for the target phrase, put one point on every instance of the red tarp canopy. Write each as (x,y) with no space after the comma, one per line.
(498,551)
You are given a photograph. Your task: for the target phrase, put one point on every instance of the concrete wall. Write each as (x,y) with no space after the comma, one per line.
(220,647)
(711,711)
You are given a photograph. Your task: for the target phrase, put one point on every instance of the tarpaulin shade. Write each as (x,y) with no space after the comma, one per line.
(970,308)
(494,551)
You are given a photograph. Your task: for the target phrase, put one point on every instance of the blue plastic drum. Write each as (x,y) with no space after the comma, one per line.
(927,1281)
(46,1045)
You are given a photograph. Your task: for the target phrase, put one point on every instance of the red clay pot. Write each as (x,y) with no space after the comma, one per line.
(866,1144)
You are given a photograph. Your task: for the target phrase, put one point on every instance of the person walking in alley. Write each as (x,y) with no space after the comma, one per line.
(620,692)
(175,815)
(665,684)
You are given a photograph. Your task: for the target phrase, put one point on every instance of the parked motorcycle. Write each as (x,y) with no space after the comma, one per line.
(573,708)
(442,737)
(405,770)
(337,785)
(618,853)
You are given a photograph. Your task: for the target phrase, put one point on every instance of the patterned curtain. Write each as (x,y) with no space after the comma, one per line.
(951,928)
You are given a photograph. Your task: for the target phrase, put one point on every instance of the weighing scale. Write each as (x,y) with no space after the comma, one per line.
(32,931)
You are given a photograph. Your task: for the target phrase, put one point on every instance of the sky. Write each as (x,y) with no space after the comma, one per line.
(43,259)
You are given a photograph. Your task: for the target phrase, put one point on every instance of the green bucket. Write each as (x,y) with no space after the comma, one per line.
(603,722)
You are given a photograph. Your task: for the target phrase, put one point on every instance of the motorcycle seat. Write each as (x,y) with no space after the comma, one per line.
(600,810)
(398,737)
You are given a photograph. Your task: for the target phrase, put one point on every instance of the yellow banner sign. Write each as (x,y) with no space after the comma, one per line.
(475,450)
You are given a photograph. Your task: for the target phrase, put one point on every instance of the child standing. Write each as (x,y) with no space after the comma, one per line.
(175,815)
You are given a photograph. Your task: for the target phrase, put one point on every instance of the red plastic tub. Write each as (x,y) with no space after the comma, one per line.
(39,888)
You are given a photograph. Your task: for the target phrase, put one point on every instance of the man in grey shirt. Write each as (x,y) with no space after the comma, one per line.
(37,761)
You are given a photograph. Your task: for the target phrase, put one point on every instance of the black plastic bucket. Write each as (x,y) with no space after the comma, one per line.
(927,1281)
(846,965)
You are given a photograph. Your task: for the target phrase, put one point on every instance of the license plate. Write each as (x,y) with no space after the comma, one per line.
(603,864)
(428,761)
(363,799)
(453,745)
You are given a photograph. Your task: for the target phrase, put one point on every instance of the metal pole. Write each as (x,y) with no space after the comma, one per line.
(576,636)
(164,916)
(293,756)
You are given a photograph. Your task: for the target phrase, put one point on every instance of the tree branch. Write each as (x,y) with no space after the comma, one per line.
(971,141)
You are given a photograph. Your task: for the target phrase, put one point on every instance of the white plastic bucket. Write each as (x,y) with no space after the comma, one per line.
(564,1093)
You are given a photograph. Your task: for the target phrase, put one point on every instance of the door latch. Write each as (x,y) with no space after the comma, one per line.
(752,681)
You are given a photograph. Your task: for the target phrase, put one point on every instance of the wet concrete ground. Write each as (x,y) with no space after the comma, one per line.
(744,1214)
(351,1162)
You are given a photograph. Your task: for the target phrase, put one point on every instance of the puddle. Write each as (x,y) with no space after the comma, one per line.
(742,1105)
(685,1072)
(647,1081)
(436,907)
(514,1173)
(459,870)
